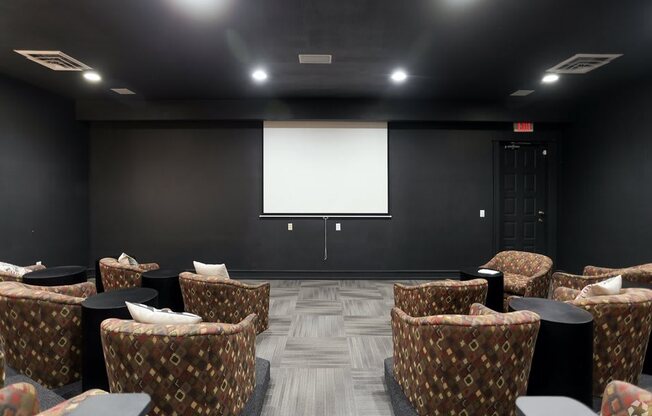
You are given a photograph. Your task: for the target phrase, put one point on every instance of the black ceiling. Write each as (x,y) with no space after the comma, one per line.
(453,49)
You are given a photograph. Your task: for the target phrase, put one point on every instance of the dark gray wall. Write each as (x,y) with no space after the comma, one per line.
(176,191)
(43,178)
(606,208)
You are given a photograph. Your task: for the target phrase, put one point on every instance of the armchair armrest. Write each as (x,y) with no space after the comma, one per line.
(538,284)
(619,396)
(35,267)
(480,309)
(596,270)
(69,405)
(574,281)
(565,294)
(19,399)
(148,266)
(79,290)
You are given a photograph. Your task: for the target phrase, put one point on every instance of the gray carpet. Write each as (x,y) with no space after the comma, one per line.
(326,343)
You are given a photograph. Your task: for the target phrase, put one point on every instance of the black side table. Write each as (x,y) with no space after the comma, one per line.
(647,365)
(56,276)
(563,356)
(496,286)
(166,282)
(551,405)
(96,309)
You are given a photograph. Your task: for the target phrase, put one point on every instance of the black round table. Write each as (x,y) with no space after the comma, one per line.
(56,276)
(496,285)
(166,282)
(563,355)
(96,309)
(647,365)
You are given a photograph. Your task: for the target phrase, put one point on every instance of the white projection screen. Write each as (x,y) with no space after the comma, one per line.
(315,168)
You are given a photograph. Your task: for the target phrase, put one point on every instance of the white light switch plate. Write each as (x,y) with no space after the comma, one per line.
(482,213)
(338,226)
(290,226)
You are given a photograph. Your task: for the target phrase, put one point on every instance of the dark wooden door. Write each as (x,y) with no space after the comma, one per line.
(523,197)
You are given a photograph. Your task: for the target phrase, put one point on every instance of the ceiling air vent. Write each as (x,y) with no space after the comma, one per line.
(55,60)
(315,59)
(521,93)
(583,63)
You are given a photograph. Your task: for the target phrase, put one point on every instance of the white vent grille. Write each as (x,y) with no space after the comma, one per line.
(55,60)
(123,91)
(583,63)
(521,93)
(315,59)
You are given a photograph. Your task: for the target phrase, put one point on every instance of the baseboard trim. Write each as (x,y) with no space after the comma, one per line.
(347,274)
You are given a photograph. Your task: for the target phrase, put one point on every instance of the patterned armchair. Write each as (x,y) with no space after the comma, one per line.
(593,274)
(216,299)
(9,277)
(474,364)
(624,399)
(20,399)
(440,297)
(200,369)
(116,275)
(622,325)
(525,274)
(40,328)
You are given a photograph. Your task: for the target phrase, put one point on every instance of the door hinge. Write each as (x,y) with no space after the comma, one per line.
(512,146)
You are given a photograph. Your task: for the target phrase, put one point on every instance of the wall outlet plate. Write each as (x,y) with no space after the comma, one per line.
(290,226)
(482,213)
(338,226)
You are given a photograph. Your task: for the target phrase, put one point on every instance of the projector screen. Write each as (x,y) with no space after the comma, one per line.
(325,168)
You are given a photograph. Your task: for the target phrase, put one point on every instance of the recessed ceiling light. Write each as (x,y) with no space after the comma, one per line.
(123,91)
(399,75)
(92,76)
(550,78)
(259,75)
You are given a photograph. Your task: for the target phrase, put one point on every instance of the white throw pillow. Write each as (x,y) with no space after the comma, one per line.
(127,259)
(149,315)
(606,287)
(211,269)
(13,270)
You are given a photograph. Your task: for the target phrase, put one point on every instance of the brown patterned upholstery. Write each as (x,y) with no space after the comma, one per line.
(20,399)
(621,330)
(440,297)
(624,399)
(116,275)
(201,369)
(641,273)
(216,299)
(464,364)
(525,274)
(593,274)
(4,277)
(40,328)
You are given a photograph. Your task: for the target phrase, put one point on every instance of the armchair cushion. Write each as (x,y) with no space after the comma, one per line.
(609,286)
(69,405)
(127,260)
(116,275)
(440,297)
(526,274)
(145,314)
(622,325)
(40,328)
(452,364)
(579,282)
(186,369)
(211,269)
(624,399)
(225,300)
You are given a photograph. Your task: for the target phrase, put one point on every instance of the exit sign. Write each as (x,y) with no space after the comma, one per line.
(523,127)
